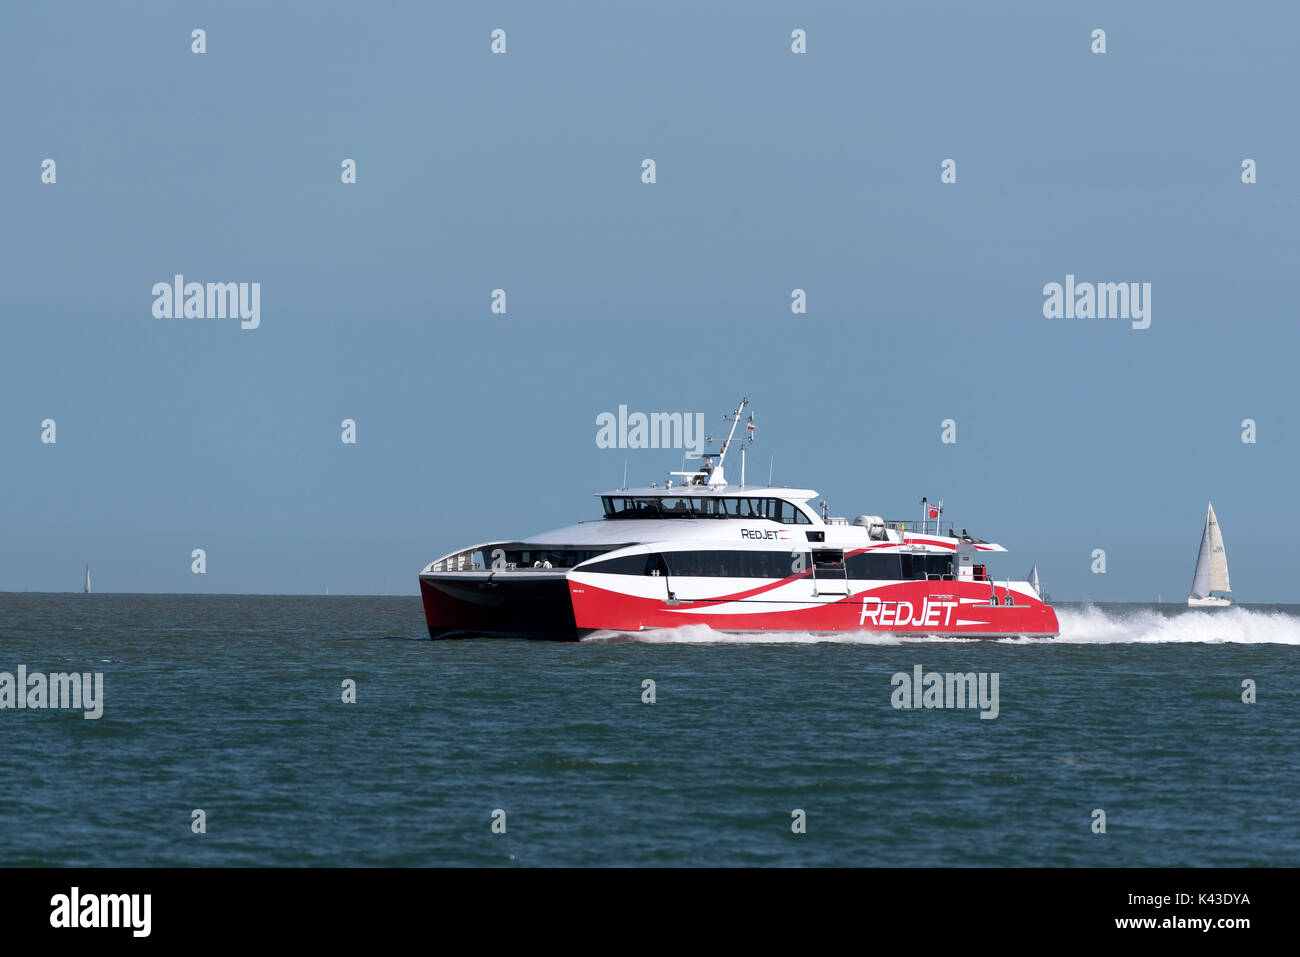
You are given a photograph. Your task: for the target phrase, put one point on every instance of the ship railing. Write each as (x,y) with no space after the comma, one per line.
(933,526)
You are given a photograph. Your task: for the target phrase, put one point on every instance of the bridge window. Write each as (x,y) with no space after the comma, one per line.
(700,506)
(786,513)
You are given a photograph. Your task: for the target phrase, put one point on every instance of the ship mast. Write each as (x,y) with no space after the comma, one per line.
(714,475)
(717,478)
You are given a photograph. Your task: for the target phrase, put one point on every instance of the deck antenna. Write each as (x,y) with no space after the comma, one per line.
(726,444)
(711,474)
(744,442)
(624,488)
(749,440)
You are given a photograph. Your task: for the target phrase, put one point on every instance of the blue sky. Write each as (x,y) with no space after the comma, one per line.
(775,171)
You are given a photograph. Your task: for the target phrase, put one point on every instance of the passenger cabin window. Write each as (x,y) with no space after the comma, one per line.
(828,561)
(893,566)
(918,565)
(704,563)
(874,565)
(558,557)
(747,563)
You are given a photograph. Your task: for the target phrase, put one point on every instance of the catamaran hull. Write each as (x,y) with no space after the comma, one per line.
(560,608)
(537,608)
(943,609)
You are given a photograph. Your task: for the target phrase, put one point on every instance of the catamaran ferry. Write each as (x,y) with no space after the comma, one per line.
(736,558)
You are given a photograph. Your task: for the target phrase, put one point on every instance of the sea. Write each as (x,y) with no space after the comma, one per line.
(329,731)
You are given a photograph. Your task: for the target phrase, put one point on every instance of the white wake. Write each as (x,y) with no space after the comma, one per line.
(1089,624)
(1237,625)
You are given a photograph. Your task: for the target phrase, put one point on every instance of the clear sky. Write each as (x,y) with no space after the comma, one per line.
(523,171)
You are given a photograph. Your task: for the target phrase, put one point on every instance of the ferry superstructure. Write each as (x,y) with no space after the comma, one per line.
(735,558)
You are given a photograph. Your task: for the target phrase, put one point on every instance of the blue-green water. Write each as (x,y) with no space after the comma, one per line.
(233,705)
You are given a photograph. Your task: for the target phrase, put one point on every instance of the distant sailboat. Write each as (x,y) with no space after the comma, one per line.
(86,590)
(1210,588)
(1033,580)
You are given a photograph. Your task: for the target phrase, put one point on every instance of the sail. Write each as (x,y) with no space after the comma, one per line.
(1218,557)
(1211,560)
(87,579)
(1033,580)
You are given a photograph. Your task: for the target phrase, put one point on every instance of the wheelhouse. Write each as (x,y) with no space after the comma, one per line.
(659,506)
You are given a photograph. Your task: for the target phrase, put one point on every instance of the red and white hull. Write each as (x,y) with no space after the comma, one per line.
(569,604)
(917,608)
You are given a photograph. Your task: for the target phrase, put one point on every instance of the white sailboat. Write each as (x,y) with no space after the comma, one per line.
(1210,587)
(1033,580)
(86,590)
